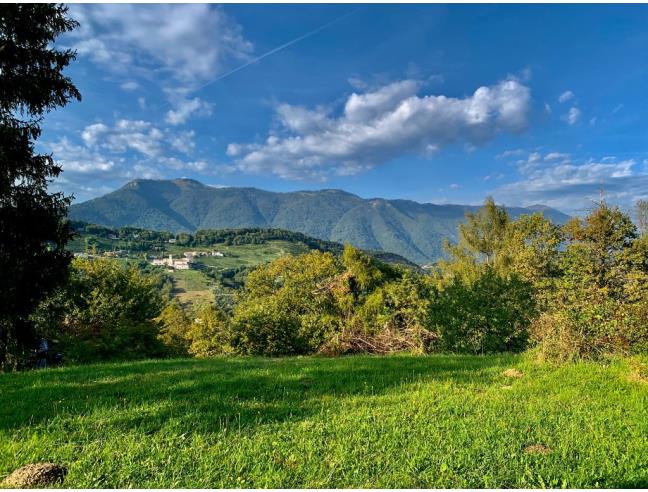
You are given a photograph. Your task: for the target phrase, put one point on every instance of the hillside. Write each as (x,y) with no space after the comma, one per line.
(239,251)
(410,229)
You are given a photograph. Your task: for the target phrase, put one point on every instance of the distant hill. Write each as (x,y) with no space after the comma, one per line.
(135,242)
(404,227)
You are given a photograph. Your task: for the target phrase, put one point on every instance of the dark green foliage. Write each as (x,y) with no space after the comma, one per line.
(489,315)
(286,305)
(600,302)
(413,230)
(105,311)
(32,230)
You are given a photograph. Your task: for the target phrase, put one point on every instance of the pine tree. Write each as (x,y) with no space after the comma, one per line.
(33,230)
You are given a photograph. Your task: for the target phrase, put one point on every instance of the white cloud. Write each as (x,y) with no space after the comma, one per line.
(190,42)
(573,116)
(556,156)
(183,141)
(455,186)
(380,125)
(184,108)
(130,85)
(127,149)
(566,96)
(572,186)
(78,159)
(510,153)
(140,136)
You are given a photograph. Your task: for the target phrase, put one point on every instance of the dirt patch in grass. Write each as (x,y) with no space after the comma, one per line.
(513,373)
(638,372)
(536,449)
(36,475)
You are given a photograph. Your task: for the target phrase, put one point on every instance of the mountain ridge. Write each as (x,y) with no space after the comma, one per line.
(405,227)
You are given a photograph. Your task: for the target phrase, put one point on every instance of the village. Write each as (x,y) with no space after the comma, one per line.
(185,263)
(170,263)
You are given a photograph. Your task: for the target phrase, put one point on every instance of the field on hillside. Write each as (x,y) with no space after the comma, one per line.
(398,421)
(196,286)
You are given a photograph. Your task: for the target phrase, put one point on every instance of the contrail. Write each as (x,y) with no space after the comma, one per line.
(277,49)
(268,53)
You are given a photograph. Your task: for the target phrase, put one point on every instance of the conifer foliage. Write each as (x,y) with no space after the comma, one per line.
(33,231)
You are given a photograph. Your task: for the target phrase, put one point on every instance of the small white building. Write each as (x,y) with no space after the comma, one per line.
(172,241)
(179,264)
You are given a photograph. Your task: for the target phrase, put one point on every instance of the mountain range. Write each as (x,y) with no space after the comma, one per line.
(411,229)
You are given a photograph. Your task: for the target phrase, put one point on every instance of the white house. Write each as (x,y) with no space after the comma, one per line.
(179,264)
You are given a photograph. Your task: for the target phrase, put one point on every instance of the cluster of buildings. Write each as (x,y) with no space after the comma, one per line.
(176,264)
(183,263)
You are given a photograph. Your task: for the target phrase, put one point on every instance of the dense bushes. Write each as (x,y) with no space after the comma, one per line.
(574,291)
(491,314)
(105,311)
(600,302)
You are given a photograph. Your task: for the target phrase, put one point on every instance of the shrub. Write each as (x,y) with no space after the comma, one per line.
(208,333)
(491,314)
(600,304)
(105,311)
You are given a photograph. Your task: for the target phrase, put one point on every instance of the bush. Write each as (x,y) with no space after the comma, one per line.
(491,314)
(106,311)
(174,329)
(209,333)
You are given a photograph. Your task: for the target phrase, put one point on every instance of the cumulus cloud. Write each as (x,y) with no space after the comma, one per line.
(557,180)
(140,136)
(125,150)
(190,42)
(380,125)
(566,96)
(184,108)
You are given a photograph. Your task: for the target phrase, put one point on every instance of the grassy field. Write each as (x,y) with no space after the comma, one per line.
(398,421)
(191,286)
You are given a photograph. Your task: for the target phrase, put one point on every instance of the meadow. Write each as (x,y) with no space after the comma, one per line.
(357,421)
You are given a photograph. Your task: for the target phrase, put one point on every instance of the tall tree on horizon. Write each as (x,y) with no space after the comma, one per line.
(33,229)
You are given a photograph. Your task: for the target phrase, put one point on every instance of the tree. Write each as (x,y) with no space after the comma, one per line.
(33,231)
(174,328)
(600,302)
(105,311)
(641,210)
(481,238)
(208,334)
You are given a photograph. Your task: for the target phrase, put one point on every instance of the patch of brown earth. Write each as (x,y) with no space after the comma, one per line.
(536,449)
(513,373)
(638,372)
(35,475)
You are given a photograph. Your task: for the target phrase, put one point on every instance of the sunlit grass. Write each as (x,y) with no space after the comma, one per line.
(399,421)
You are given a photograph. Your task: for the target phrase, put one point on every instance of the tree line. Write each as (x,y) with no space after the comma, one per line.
(577,291)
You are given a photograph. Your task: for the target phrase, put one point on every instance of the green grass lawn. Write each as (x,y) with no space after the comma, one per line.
(398,421)
(249,254)
(192,287)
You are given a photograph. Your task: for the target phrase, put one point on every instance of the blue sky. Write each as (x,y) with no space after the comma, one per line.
(435,103)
